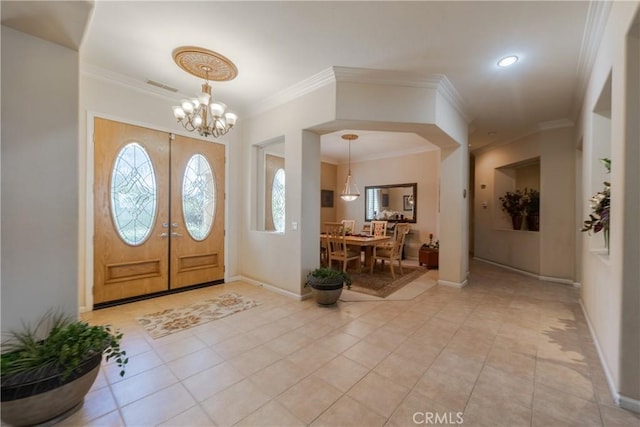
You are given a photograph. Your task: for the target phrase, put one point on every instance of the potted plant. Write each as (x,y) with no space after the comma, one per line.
(532,209)
(513,204)
(600,205)
(326,284)
(47,370)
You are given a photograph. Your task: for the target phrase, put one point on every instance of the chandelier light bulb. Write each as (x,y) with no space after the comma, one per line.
(202,114)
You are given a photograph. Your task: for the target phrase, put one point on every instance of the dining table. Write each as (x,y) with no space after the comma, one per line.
(365,241)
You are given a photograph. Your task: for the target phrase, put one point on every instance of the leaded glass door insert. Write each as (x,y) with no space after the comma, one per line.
(133,194)
(198,197)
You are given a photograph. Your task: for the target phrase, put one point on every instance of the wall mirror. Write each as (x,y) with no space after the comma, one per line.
(396,202)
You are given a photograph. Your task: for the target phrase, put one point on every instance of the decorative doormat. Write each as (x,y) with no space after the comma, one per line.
(172,320)
(380,283)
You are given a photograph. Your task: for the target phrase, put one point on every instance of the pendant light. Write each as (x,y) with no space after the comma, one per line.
(350,191)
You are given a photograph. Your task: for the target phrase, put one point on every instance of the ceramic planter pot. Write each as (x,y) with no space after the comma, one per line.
(325,291)
(50,398)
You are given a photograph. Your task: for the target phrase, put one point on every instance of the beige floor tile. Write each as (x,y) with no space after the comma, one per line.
(234,403)
(278,377)
(483,409)
(289,343)
(158,407)
(137,364)
(213,380)
(416,409)
(618,417)
(144,384)
(347,412)
(312,356)
(562,376)
(96,404)
(358,328)
(378,393)
(564,407)
(235,345)
(525,332)
(342,373)
(449,391)
(192,417)
(194,363)
(253,360)
(457,366)
(385,339)
(366,354)
(309,398)
(400,370)
(338,342)
(112,419)
(271,414)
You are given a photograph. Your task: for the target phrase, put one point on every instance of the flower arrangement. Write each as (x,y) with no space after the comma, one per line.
(600,207)
(513,203)
(531,202)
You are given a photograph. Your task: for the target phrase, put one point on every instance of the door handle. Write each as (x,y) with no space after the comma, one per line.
(174,224)
(164,235)
(174,234)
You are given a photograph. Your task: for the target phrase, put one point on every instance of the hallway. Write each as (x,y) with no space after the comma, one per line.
(506,350)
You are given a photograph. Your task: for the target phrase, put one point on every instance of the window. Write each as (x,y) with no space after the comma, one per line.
(277,201)
(269,208)
(133,194)
(198,197)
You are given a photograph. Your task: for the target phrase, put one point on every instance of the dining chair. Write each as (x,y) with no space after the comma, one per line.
(349,226)
(378,228)
(337,248)
(393,252)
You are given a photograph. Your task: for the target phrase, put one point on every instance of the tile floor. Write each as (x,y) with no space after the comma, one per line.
(506,350)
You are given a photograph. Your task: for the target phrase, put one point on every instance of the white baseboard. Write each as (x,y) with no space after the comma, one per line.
(629,403)
(271,288)
(458,285)
(605,368)
(527,273)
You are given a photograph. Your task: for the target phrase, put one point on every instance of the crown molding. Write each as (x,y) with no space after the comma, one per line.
(297,90)
(100,73)
(537,128)
(554,124)
(438,82)
(595,24)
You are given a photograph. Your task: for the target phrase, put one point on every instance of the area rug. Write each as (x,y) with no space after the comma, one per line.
(172,320)
(380,283)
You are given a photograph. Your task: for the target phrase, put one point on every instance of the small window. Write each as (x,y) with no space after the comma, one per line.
(277,201)
(198,197)
(133,194)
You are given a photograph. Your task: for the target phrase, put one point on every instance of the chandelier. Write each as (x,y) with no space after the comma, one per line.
(350,191)
(202,114)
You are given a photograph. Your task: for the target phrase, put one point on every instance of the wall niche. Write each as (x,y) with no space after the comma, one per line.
(522,177)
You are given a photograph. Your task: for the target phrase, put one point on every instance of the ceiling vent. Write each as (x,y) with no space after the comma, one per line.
(162,86)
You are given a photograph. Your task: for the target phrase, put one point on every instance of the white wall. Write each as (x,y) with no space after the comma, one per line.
(422,168)
(549,252)
(610,282)
(39,179)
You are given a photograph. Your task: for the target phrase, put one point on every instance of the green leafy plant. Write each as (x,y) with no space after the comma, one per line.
(531,201)
(513,202)
(65,346)
(328,275)
(600,207)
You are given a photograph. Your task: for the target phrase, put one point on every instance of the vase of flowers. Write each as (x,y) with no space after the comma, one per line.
(531,201)
(513,205)
(600,209)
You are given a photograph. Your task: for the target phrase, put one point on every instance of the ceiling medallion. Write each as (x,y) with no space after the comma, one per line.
(202,114)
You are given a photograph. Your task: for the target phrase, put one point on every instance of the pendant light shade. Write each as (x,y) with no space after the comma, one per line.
(350,191)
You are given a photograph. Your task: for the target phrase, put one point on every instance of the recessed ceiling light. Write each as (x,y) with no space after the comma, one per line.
(507,60)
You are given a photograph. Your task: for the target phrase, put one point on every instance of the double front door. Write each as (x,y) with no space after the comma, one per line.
(158,211)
